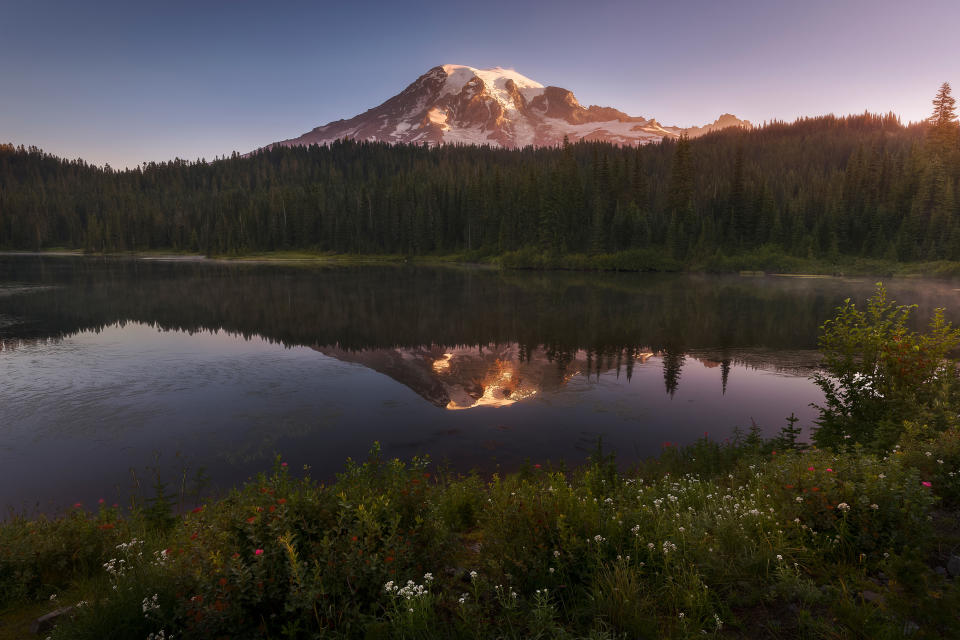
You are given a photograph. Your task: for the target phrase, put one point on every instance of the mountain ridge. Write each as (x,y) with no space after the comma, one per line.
(459,104)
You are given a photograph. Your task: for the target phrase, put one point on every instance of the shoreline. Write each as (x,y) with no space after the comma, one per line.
(627,262)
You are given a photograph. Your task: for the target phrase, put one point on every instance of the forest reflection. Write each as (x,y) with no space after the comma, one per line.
(459,337)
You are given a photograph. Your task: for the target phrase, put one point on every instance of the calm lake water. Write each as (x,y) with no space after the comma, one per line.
(170,367)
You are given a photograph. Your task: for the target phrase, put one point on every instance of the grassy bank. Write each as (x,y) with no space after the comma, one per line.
(738,539)
(767,260)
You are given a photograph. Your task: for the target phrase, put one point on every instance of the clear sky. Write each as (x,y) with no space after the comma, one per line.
(126,82)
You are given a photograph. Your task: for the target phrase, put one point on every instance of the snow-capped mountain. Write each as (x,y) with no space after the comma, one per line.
(499,107)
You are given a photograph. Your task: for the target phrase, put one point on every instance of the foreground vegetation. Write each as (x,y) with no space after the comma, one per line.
(854,536)
(731,539)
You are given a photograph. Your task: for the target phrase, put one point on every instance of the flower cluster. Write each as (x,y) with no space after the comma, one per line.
(150,604)
(409,591)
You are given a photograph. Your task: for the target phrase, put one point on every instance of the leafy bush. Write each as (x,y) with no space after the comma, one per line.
(877,373)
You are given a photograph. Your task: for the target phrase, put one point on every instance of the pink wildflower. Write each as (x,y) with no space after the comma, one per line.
(283,464)
(926,484)
(809,468)
(829,470)
(258,552)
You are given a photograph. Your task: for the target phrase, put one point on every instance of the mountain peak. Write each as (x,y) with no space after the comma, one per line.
(459,104)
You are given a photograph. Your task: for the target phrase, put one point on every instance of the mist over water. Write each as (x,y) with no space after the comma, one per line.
(113,364)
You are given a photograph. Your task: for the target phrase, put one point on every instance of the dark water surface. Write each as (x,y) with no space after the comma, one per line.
(108,365)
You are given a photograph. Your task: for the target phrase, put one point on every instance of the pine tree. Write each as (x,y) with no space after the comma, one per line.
(943,134)
(943,107)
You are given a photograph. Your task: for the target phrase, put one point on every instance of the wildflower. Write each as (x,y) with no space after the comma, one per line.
(463,598)
(283,464)
(428,577)
(843,506)
(53,597)
(874,506)
(716,618)
(551,569)
(258,552)
(681,615)
(926,484)
(598,538)
(779,558)
(829,470)
(150,604)
(799,498)
(882,476)
(473,574)
(809,468)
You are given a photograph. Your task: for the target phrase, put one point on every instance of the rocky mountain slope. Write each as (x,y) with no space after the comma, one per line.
(456,104)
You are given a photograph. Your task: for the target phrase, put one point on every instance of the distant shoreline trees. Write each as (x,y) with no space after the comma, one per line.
(825,187)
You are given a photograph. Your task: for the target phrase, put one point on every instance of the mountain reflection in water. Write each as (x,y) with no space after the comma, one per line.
(501,375)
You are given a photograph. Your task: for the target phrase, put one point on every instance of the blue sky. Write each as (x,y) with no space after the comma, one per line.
(126,82)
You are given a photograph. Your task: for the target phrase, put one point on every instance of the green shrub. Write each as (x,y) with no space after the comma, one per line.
(877,373)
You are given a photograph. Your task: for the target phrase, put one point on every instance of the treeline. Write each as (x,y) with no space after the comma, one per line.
(822,187)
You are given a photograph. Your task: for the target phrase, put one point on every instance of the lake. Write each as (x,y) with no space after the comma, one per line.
(116,371)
